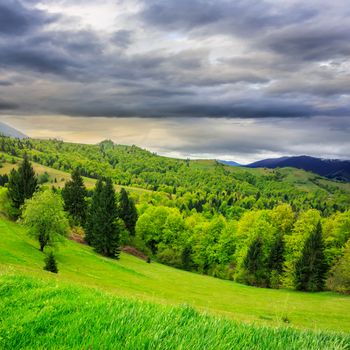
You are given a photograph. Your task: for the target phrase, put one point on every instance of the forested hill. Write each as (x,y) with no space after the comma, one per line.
(203,185)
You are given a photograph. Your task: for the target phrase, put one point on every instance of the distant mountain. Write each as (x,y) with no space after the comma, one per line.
(229,162)
(7,130)
(332,168)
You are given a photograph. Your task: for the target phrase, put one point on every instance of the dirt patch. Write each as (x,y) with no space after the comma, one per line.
(135,252)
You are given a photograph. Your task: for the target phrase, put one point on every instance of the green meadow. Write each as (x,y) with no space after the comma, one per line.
(96,302)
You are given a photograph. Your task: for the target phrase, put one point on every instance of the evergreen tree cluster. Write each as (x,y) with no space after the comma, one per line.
(127,211)
(102,230)
(74,195)
(22,183)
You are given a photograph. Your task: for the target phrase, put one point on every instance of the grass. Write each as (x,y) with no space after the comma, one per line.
(37,314)
(133,278)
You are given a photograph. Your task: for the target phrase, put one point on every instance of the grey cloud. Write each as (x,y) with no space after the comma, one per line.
(123,38)
(16,19)
(4,105)
(231,17)
(317,43)
(242,59)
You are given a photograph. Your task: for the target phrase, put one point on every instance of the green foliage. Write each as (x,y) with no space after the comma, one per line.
(311,268)
(44,216)
(127,211)
(294,243)
(22,183)
(74,193)
(102,228)
(197,215)
(339,278)
(50,263)
(336,233)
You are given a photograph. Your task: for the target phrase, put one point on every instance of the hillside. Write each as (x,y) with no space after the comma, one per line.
(200,184)
(54,315)
(130,277)
(330,168)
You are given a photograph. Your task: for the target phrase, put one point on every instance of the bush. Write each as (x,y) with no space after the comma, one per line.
(50,263)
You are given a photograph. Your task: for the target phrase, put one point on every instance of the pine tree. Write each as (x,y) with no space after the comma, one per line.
(50,263)
(74,193)
(311,268)
(127,211)
(253,259)
(22,183)
(276,257)
(102,229)
(94,214)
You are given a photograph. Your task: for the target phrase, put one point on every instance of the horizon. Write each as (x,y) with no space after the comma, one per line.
(182,157)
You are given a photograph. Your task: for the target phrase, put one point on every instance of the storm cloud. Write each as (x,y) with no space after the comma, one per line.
(180,60)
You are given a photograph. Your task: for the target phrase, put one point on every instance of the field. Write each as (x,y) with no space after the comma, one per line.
(44,315)
(132,277)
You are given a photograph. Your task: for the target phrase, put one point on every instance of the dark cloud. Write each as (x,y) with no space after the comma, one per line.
(4,105)
(322,42)
(170,59)
(16,19)
(242,17)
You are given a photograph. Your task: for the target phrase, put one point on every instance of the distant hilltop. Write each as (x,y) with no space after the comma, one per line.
(6,130)
(332,168)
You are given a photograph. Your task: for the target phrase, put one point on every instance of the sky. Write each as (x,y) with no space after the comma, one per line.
(238,80)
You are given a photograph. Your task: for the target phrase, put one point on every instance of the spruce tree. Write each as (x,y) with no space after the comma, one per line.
(253,259)
(50,263)
(127,211)
(94,214)
(276,257)
(311,268)
(22,183)
(74,193)
(102,229)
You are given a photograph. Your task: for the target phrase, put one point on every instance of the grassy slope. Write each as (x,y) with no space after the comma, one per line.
(47,315)
(132,277)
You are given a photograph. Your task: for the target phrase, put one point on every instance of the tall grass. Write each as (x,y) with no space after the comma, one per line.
(44,315)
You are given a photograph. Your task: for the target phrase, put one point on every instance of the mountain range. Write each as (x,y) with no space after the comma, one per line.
(331,168)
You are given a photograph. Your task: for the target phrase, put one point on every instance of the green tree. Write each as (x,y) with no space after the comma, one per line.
(74,193)
(127,211)
(103,231)
(295,241)
(311,268)
(22,183)
(50,263)
(43,214)
(276,256)
(253,260)
(339,277)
